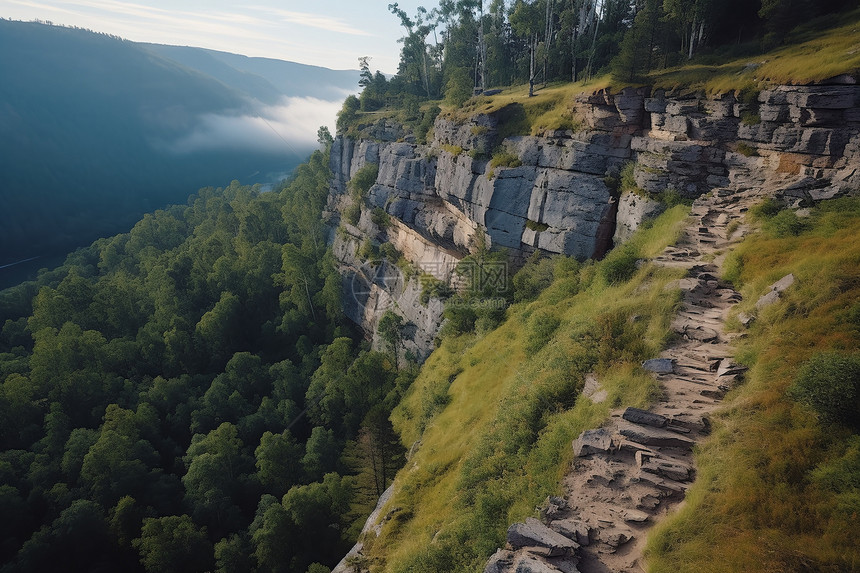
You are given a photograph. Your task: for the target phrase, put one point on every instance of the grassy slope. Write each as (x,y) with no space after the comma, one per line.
(810,55)
(776,490)
(507,407)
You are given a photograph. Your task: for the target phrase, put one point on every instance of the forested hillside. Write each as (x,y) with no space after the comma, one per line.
(97,130)
(187,396)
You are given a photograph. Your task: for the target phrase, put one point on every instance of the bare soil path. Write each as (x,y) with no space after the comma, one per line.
(636,468)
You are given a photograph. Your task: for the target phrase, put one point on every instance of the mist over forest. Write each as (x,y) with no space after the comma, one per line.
(97,130)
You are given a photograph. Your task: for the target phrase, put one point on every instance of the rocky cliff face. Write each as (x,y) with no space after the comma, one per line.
(799,142)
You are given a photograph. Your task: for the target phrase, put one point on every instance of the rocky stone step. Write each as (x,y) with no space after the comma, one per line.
(527,563)
(533,533)
(615,536)
(659,365)
(728,368)
(698,333)
(648,436)
(644,418)
(592,442)
(635,516)
(573,529)
(667,486)
(662,467)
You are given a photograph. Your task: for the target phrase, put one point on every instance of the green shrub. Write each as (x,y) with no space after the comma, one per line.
(535,226)
(628,177)
(459,316)
(750,118)
(431,287)
(785,224)
(746,149)
(619,265)
(427,119)
(766,209)
(541,327)
(389,252)
(380,218)
(830,384)
(368,251)
(348,114)
(535,276)
(671,197)
(505,159)
(454,150)
(363,180)
(352,213)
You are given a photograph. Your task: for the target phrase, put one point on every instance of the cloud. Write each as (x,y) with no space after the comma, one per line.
(289,128)
(320,21)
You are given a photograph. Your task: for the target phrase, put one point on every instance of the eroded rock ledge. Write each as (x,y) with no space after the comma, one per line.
(795,142)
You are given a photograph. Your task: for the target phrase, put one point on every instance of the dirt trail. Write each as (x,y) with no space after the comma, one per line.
(638,466)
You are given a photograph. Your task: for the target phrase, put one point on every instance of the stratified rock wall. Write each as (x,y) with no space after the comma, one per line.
(797,142)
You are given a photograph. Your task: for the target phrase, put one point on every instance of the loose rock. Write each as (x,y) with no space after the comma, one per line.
(592,442)
(533,533)
(659,365)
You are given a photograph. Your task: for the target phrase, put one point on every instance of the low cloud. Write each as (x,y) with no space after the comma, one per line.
(289,127)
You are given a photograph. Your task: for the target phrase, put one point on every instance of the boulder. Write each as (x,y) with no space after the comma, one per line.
(614,538)
(633,210)
(572,529)
(635,516)
(774,291)
(500,562)
(592,442)
(533,533)
(659,365)
(552,506)
(730,368)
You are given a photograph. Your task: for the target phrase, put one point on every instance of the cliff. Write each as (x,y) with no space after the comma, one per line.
(798,143)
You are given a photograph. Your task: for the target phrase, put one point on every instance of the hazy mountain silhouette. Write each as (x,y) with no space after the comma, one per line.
(96,130)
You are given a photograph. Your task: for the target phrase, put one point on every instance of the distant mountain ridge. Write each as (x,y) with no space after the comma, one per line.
(265,79)
(96,130)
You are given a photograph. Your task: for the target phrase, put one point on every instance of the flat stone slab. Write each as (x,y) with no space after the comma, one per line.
(572,529)
(635,516)
(659,365)
(667,468)
(774,291)
(730,368)
(533,533)
(531,564)
(644,417)
(592,442)
(655,437)
(699,333)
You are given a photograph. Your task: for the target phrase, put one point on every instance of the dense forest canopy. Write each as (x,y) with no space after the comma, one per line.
(187,396)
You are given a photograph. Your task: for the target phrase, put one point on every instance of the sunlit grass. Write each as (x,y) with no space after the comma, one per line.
(815,55)
(762,501)
(500,441)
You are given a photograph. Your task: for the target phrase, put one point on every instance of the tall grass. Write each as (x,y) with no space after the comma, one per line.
(779,488)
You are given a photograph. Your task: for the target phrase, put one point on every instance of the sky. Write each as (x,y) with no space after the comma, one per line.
(328,33)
